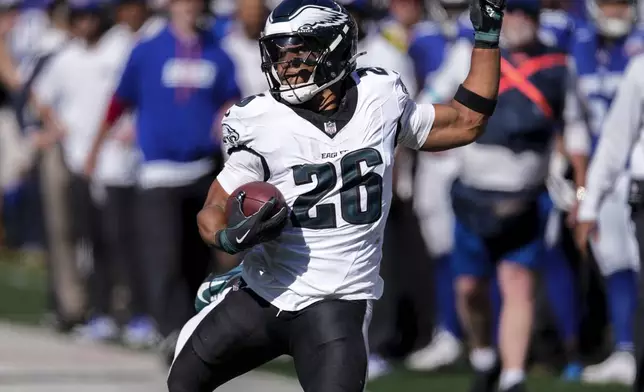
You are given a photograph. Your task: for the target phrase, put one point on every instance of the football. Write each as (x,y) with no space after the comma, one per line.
(257,193)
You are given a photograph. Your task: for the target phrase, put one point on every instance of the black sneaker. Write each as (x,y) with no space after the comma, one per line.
(487,381)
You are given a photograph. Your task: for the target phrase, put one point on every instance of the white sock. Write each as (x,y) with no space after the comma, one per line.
(510,378)
(483,359)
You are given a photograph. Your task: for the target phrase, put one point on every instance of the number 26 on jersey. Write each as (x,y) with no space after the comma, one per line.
(350,192)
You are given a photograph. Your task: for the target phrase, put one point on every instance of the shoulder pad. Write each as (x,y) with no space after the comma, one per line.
(382,74)
(237,129)
(381,81)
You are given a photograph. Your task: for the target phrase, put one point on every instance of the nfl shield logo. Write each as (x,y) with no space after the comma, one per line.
(329,128)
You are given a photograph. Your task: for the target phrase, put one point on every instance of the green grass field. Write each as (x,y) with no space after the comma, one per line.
(23,298)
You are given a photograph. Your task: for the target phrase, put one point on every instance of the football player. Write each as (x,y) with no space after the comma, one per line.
(600,50)
(324,134)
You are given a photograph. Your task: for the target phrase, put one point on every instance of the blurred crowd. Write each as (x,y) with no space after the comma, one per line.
(104,170)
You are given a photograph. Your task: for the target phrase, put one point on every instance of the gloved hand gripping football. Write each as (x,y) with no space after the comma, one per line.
(244,232)
(487,18)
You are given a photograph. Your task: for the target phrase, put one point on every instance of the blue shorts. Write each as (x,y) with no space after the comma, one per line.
(476,256)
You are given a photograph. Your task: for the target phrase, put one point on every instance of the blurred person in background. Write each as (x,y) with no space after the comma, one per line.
(434,174)
(117,172)
(178,81)
(10,141)
(497,230)
(242,46)
(449,15)
(47,25)
(378,51)
(446,346)
(600,50)
(224,16)
(9,74)
(75,88)
(30,42)
(403,16)
(557,26)
(620,148)
(559,259)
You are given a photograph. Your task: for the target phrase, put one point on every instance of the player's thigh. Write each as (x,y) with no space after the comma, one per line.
(226,339)
(470,255)
(616,246)
(329,346)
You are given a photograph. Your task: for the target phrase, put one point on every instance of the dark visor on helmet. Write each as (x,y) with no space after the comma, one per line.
(292,49)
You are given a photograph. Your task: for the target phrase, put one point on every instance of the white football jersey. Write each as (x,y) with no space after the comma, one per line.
(335,174)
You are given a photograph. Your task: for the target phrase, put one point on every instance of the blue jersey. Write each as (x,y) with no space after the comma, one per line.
(427,50)
(556,28)
(221,26)
(177,90)
(598,71)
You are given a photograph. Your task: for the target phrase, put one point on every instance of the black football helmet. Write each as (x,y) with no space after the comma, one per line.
(307,46)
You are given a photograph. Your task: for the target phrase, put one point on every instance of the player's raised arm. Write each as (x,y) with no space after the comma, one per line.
(462,120)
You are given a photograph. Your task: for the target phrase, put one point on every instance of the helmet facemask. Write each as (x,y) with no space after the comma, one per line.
(300,65)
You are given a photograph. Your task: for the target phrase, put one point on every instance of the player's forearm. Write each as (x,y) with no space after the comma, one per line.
(579,163)
(212,217)
(485,72)
(210,220)
(482,80)
(463,120)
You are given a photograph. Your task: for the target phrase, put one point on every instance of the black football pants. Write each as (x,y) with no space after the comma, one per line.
(327,341)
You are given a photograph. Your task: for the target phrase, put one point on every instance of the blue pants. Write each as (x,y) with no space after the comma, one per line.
(476,256)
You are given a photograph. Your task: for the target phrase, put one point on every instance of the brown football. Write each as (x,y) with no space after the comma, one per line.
(257,193)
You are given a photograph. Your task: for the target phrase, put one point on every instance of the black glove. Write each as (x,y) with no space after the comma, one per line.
(486,17)
(245,232)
